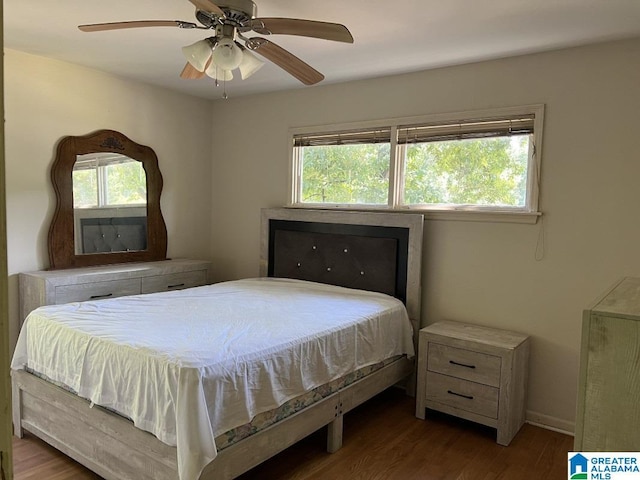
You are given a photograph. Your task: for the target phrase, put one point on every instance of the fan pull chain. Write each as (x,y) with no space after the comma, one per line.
(224,84)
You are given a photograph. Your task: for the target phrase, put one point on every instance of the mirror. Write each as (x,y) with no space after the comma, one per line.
(108,202)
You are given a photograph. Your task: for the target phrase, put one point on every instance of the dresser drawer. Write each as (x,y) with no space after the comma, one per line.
(465,364)
(97,290)
(174,281)
(80,284)
(462,394)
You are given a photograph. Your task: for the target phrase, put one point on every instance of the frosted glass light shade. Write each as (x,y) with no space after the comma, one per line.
(227,55)
(218,73)
(250,64)
(198,54)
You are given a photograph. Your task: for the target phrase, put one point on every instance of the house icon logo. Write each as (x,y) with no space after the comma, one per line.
(578,467)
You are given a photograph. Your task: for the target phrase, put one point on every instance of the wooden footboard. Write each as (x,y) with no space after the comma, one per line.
(112,447)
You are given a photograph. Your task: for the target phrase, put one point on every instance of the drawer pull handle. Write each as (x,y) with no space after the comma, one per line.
(468,397)
(95,297)
(177,285)
(461,364)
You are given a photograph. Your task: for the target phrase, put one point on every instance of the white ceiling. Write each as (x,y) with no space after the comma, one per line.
(391,37)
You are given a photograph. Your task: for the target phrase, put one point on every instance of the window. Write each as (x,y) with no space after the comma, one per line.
(107,180)
(345,168)
(482,162)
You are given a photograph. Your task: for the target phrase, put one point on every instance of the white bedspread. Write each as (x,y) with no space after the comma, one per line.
(191,364)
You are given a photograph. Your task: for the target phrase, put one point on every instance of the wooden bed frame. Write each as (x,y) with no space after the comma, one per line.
(114,448)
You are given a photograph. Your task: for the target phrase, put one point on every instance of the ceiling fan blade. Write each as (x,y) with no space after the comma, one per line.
(208,6)
(305,28)
(285,60)
(98,27)
(189,72)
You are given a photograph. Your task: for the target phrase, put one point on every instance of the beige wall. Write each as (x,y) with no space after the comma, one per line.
(46,100)
(486,273)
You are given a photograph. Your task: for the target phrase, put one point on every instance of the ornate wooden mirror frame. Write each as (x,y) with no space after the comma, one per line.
(61,232)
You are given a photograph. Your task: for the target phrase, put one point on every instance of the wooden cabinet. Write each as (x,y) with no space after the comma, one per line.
(608,416)
(476,373)
(54,287)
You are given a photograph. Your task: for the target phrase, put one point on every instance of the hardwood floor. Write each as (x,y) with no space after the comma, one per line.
(382,441)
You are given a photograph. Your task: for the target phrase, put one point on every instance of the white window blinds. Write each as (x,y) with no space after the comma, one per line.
(353,137)
(477,128)
(100,159)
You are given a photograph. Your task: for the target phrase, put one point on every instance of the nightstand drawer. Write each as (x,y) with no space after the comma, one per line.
(97,290)
(462,394)
(466,364)
(174,281)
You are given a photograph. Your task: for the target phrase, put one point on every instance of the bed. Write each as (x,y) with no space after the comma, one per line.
(331,253)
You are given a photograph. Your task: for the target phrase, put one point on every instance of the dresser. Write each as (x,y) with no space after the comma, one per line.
(608,414)
(52,287)
(476,373)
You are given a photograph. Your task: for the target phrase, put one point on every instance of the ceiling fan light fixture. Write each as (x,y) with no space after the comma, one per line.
(223,53)
(218,73)
(198,54)
(227,55)
(250,64)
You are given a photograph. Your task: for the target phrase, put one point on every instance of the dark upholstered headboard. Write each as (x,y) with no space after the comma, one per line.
(113,234)
(370,251)
(355,256)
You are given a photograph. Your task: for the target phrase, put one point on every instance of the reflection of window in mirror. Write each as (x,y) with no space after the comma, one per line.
(109,200)
(108,180)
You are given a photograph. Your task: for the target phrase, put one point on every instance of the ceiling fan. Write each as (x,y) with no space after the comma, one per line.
(217,56)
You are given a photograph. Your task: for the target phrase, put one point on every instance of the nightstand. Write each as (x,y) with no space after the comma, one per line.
(476,373)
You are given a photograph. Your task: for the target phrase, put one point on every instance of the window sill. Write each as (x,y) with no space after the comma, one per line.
(530,218)
(461,215)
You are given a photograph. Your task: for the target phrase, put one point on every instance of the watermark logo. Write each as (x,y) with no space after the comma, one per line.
(603,465)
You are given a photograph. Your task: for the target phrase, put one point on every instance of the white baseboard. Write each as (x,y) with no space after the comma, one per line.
(550,423)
